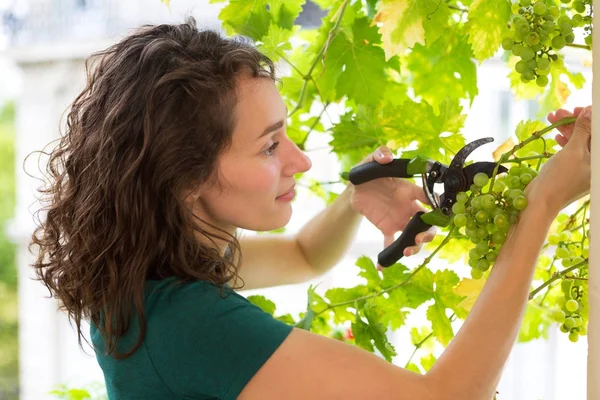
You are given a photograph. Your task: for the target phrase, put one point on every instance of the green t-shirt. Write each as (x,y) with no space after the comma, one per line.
(198,345)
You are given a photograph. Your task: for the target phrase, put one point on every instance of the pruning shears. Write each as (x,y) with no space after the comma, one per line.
(455,177)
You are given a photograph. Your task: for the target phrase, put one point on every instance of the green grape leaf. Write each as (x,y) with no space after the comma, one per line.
(341,295)
(436,134)
(442,329)
(276,42)
(424,338)
(535,324)
(558,91)
(414,368)
(371,8)
(448,64)
(247,17)
(361,332)
(394,274)
(354,68)
(420,288)
(454,250)
(315,301)
(389,309)
(377,331)
(445,283)
(524,130)
(487,25)
(285,12)
(428,361)
(287,319)
(318,189)
(265,304)
(368,271)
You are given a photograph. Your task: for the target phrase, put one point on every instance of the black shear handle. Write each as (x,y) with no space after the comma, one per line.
(373,170)
(395,251)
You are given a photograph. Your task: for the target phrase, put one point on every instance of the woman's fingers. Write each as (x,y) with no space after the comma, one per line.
(565,130)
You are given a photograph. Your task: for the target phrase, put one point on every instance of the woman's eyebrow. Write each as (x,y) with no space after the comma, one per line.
(272,128)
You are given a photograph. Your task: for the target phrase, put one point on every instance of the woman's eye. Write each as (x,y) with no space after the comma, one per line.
(270,150)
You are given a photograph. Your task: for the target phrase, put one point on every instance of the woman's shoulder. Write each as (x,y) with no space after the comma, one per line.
(175,293)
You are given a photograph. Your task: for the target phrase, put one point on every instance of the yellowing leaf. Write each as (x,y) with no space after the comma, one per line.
(487,25)
(470,288)
(503,148)
(402,26)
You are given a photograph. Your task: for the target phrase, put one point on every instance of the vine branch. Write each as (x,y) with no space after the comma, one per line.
(555,277)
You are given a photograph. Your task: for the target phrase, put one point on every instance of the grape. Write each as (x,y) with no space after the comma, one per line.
(521,66)
(476,273)
(569,38)
(520,203)
(573,337)
(570,323)
(579,6)
(527,53)
(565,236)
(554,240)
(460,220)
(558,315)
(483,265)
(558,42)
(507,43)
(481,179)
(488,202)
(561,252)
(532,39)
(543,63)
(458,208)
(539,8)
(501,221)
(572,305)
(541,81)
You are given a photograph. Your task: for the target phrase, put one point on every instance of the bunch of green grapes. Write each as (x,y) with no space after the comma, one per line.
(569,315)
(571,303)
(583,18)
(537,32)
(487,215)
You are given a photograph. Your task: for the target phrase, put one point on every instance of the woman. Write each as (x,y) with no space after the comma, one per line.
(177,141)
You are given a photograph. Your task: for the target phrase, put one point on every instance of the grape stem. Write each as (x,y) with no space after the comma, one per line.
(417,347)
(426,338)
(557,276)
(579,46)
(535,135)
(400,284)
(539,156)
(308,76)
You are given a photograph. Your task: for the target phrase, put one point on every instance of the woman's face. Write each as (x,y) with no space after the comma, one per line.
(258,168)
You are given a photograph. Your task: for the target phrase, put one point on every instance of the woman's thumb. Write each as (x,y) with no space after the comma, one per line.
(583,126)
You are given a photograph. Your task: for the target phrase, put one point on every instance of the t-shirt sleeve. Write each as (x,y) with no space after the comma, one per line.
(207,345)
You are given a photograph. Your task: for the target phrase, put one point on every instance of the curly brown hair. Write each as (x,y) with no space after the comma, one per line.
(156,113)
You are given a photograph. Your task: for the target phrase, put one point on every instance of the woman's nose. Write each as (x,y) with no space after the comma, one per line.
(298,162)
